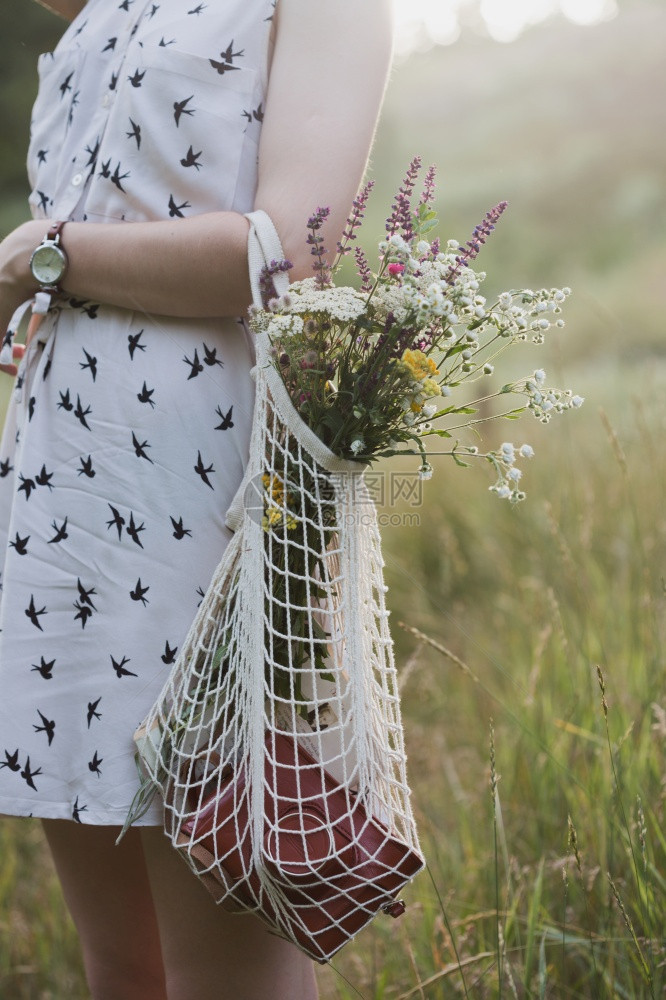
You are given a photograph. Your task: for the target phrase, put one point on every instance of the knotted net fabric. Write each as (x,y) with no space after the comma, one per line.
(277,741)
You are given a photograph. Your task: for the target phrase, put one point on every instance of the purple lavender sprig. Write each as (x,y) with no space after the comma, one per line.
(266,284)
(315,241)
(355,219)
(363,270)
(428,193)
(401,209)
(480,235)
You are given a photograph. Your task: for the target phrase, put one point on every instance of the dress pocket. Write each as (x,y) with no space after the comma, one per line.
(180,126)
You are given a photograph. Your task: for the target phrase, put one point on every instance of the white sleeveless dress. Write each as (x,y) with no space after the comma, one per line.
(127,433)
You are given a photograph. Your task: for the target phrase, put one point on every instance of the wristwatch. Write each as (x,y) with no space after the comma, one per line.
(48,262)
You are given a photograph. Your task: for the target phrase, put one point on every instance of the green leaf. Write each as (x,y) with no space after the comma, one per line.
(459,461)
(515,414)
(438,431)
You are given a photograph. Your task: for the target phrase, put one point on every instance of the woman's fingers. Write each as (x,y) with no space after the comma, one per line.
(18,350)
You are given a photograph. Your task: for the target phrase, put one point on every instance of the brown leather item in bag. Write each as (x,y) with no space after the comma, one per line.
(332,866)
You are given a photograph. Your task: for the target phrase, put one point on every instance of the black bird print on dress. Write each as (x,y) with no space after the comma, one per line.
(5,468)
(81,414)
(139,593)
(178,530)
(20,545)
(65,402)
(86,467)
(11,761)
(198,9)
(117,519)
(77,810)
(176,211)
(31,407)
(181,108)
(47,726)
(118,177)
(92,711)
(195,365)
(191,159)
(60,532)
(227,422)
(44,669)
(210,357)
(29,774)
(225,63)
(169,654)
(120,669)
(94,764)
(90,363)
(133,343)
(137,79)
(135,133)
(27,486)
(134,529)
(34,615)
(44,478)
(202,470)
(145,395)
(139,448)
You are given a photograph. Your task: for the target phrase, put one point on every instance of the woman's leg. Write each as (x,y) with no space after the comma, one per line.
(210,954)
(107,891)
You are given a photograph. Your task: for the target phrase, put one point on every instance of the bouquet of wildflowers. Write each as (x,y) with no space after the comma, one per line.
(377,370)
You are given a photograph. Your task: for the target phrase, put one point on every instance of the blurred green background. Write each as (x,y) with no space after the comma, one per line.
(566,123)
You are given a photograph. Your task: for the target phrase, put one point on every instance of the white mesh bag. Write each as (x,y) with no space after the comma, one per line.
(277,742)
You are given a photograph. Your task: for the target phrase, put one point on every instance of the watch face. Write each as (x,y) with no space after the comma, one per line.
(48,264)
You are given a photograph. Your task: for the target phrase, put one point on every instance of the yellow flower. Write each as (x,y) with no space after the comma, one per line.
(431,388)
(418,365)
(415,407)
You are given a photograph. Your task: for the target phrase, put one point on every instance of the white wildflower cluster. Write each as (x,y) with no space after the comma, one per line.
(278,325)
(343,303)
(508,474)
(543,401)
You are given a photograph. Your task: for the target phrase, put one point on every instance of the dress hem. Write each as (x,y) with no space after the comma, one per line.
(56,810)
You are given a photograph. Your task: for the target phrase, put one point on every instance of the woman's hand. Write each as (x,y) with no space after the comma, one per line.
(18,351)
(16,282)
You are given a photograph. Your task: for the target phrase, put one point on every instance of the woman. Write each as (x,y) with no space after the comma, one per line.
(129,423)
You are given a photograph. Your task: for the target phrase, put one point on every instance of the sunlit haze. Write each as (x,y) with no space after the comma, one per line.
(421,23)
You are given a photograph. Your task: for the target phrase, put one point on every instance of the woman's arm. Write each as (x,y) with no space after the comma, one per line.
(66,8)
(327,80)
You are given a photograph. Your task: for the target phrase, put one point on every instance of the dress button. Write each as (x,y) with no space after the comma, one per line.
(106,100)
(76,179)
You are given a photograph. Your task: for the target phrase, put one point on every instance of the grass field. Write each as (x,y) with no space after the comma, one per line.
(534,697)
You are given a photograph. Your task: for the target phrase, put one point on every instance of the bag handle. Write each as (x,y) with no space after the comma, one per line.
(263,249)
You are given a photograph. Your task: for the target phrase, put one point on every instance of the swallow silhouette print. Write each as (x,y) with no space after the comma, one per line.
(133,530)
(34,615)
(47,726)
(139,448)
(77,810)
(66,85)
(162,44)
(94,764)
(145,395)
(86,468)
(110,45)
(227,422)
(210,357)
(83,613)
(41,155)
(80,413)
(135,133)
(117,519)
(153,10)
(225,63)
(180,108)
(133,343)
(105,170)
(27,486)
(178,530)
(65,402)
(176,211)
(139,593)
(169,654)
(203,471)
(11,761)
(29,774)
(92,710)
(90,363)
(119,667)
(44,478)
(60,532)
(31,408)
(198,8)
(195,365)
(137,78)
(191,159)
(20,544)
(118,177)
(5,468)
(44,669)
